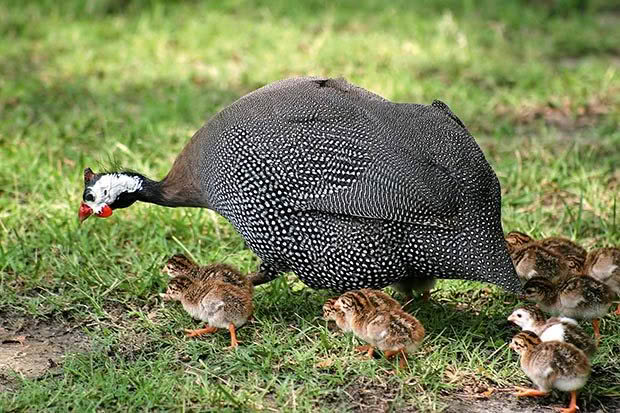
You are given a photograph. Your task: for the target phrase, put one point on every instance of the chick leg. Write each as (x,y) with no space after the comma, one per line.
(233,336)
(525,392)
(597,331)
(403,361)
(370,350)
(200,331)
(572,407)
(617,312)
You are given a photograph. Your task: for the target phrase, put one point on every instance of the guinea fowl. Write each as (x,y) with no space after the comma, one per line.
(578,297)
(574,254)
(551,364)
(603,264)
(337,184)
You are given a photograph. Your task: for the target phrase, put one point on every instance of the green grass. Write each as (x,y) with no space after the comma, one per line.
(84,83)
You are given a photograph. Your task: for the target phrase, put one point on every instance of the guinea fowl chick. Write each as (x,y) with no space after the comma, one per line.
(423,286)
(372,299)
(565,329)
(515,240)
(578,297)
(604,265)
(532,260)
(551,364)
(379,322)
(220,303)
(180,264)
(574,255)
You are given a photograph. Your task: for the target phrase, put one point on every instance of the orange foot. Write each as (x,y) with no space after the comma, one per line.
(403,360)
(617,312)
(233,336)
(572,407)
(525,392)
(368,349)
(200,331)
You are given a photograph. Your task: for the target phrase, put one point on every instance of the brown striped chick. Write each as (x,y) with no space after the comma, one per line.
(516,240)
(220,304)
(181,265)
(379,322)
(532,260)
(366,302)
(574,255)
(604,265)
(422,286)
(565,329)
(551,365)
(578,297)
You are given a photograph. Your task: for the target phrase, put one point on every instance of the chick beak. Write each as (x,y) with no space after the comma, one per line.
(85,212)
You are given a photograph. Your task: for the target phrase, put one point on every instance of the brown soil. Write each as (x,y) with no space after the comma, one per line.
(31,348)
(506,402)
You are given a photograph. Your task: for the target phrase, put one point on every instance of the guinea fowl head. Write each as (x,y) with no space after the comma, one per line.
(106,192)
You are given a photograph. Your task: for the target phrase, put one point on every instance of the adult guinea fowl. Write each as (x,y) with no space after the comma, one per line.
(337,184)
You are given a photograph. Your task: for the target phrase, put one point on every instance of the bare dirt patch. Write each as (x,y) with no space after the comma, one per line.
(506,402)
(32,348)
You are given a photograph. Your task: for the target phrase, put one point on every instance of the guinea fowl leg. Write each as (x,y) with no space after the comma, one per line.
(403,361)
(525,392)
(264,274)
(233,336)
(370,350)
(200,331)
(597,331)
(572,407)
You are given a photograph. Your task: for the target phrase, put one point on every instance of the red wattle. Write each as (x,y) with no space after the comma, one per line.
(106,211)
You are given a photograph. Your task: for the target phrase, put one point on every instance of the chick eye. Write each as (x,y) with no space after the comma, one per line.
(89,197)
(519,315)
(105,192)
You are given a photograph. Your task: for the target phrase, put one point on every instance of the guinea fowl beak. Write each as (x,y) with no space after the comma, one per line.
(85,212)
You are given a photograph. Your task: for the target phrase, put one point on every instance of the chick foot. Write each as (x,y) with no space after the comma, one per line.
(200,331)
(572,407)
(526,392)
(370,350)
(233,336)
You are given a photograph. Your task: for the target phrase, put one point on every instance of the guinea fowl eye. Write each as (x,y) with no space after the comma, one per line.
(89,198)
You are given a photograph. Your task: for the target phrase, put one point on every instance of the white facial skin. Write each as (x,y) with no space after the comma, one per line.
(109,187)
(522,318)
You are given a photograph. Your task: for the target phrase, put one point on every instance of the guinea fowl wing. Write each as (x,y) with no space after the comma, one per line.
(356,166)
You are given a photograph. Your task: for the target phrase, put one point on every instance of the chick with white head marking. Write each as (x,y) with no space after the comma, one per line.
(565,329)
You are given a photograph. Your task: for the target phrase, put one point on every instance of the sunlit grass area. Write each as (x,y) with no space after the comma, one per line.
(128,82)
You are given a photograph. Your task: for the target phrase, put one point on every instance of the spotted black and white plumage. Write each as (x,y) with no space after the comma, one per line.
(346,189)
